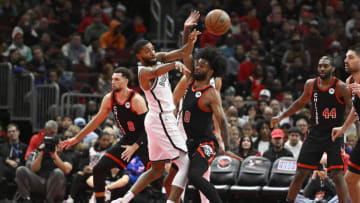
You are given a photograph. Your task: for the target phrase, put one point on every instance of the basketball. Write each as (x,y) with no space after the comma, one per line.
(217,22)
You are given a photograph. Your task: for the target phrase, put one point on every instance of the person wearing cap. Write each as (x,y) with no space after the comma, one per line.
(265,95)
(294,143)
(329,97)
(89,138)
(277,148)
(18,43)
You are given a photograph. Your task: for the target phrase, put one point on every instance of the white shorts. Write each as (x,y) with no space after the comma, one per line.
(164,138)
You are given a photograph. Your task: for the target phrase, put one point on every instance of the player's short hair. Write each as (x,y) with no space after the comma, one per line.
(138,45)
(329,58)
(216,59)
(356,49)
(124,71)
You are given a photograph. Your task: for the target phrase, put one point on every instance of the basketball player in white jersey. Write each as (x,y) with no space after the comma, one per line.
(165,142)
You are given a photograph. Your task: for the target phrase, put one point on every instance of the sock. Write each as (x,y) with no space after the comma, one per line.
(169,201)
(100,199)
(129,196)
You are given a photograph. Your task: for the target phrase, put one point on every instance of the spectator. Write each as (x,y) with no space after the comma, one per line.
(105,79)
(38,65)
(125,21)
(88,140)
(262,143)
(229,96)
(113,137)
(95,29)
(302,124)
(114,37)
(91,158)
(91,110)
(12,155)
(94,55)
(45,171)
(350,143)
(247,130)
(74,49)
(277,149)
(239,104)
(246,68)
(249,117)
(268,113)
(251,19)
(275,106)
(53,79)
(234,138)
(265,95)
(94,10)
(18,43)
(246,147)
(50,130)
(234,63)
(294,143)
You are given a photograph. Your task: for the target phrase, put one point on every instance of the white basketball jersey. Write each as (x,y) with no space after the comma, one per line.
(159,96)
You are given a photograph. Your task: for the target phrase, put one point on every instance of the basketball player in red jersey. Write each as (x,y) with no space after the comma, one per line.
(329,98)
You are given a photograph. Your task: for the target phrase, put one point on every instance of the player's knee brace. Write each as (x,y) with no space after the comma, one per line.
(182,163)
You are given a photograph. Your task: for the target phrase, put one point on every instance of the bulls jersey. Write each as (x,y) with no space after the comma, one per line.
(128,121)
(355,99)
(159,96)
(198,123)
(327,108)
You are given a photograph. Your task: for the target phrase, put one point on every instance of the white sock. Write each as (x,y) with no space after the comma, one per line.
(169,201)
(129,196)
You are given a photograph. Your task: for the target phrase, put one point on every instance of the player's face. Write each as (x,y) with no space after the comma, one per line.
(147,55)
(202,68)
(118,82)
(325,70)
(352,62)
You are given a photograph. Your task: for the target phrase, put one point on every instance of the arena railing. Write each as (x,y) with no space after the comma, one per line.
(5,85)
(22,98)
(47,104)
(73,104)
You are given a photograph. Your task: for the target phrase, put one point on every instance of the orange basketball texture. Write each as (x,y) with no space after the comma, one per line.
(217,22)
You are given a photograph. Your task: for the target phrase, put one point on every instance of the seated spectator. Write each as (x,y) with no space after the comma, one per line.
(350,143)
(90,110)
(18,43)
(88,140)
(246,147)
(74,49)
(12,155)
(95,29)
(44,174)
(247,129)
(234,138)
(114,37)
(277,149)
(50,130)
(249,117)
(302,124)
(91,157)
(262,143)
(105,79)
(294,143)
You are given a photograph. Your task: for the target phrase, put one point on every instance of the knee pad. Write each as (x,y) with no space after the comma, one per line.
(182,163)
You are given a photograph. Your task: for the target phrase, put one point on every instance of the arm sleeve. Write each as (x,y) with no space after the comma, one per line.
(142,140)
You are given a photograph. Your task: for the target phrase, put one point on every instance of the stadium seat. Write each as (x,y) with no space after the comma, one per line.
(253,174)
(224,170)
(282,173)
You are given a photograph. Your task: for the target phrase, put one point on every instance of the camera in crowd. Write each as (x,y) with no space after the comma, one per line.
(50,143)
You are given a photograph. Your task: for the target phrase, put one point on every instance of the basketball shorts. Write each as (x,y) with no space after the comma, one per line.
(316,143)
(115,152)
(164,138)
(354,162)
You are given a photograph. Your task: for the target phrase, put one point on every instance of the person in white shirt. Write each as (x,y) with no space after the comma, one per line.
(294,143)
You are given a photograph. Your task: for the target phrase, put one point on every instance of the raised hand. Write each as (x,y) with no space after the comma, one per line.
(193,36)
(182,68)
(192,20)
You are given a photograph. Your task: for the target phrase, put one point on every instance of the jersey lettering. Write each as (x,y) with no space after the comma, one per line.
(187,116)
(131,126)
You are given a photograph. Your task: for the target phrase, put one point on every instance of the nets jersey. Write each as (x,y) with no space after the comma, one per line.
(159,96)
(126,118)
(198,123)
(327,108)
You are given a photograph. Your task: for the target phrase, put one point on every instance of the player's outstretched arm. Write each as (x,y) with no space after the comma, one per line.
(92,125)
(297,105)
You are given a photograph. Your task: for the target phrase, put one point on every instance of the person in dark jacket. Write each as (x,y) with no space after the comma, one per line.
(12,153)
(277,149)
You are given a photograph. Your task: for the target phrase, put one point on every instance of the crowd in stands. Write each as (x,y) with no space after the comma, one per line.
(272,47)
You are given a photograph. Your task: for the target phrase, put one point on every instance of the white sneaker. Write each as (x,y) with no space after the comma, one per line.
(120,200)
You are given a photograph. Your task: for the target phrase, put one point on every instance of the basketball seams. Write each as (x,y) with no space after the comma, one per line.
(213,24)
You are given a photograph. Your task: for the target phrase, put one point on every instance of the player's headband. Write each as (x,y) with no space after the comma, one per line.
(324,61)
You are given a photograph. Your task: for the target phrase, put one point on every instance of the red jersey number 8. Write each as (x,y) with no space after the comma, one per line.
(187,116)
